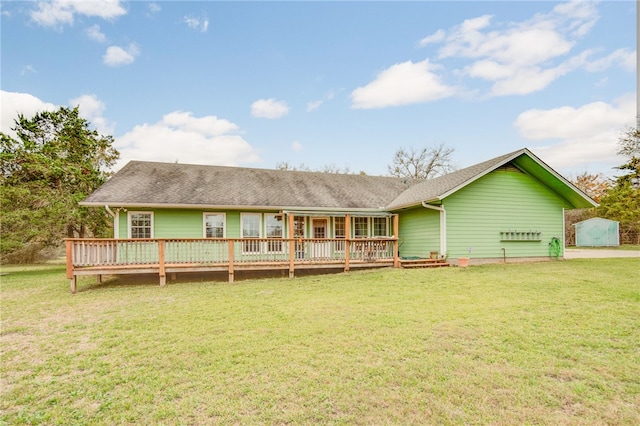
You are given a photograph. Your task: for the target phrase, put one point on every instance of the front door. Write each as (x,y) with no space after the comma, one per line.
(320,231)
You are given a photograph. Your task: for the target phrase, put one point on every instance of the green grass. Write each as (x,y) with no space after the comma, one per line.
(543,343)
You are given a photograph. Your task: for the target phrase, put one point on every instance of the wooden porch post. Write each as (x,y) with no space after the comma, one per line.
(70,276)
(231,271)
(347,242)
(162,273)
(292,247)
(396,242)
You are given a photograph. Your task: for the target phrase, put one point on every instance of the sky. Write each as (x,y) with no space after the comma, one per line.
(330,83)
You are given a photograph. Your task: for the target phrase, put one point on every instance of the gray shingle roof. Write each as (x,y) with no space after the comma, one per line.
(439,187)
(169,184)
(149,184)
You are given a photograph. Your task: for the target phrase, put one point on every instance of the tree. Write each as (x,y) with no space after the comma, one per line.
(327,168)
(55,162)
(622,202)
(594,185)
(422,164)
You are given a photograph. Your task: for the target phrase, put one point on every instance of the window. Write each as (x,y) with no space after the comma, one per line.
(380,226)
(274,228)
(250,223)
(360,227)
(214,225)
(298,227)
(298,232)
(140,225)
(339,231)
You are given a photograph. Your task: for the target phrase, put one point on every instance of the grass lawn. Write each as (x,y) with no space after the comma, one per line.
(542,343)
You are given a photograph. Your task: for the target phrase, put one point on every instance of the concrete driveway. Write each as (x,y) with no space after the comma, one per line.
(577,253)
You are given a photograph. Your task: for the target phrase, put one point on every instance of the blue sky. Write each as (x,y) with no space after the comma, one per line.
(342,84)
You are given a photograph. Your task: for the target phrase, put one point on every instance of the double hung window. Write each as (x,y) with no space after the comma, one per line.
(380,227)
(140,224)
(360,227)
(274,227)
(250,223)
(339,231)
(214,225)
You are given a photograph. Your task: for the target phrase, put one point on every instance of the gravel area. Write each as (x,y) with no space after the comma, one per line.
(576,253)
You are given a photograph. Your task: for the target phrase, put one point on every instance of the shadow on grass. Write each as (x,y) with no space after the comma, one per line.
(151,280)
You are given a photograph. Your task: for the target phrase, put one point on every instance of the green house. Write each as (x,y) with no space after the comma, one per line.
(509,207)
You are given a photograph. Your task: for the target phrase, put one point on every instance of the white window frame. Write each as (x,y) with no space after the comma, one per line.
(274,246)
(386,226)
(130,215)
(249,247)
(340,245)
(204,223)
(367,230)
(304,227)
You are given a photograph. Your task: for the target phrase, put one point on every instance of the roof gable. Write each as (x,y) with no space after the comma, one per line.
(435,190)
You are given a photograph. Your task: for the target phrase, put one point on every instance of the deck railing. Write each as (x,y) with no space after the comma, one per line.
(100,256)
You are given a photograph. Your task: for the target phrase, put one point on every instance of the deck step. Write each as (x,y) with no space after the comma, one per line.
(424,263)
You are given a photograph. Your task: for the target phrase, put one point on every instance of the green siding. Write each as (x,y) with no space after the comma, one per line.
(502,200)
(419,230)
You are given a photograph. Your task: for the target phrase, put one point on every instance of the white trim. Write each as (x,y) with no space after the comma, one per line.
(130,213)
(204,223)
(246,214)
(304,226)
(368,231)
(327,232)
(386,226)
(443,226)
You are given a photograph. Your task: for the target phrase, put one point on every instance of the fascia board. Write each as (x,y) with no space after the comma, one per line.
(220,207)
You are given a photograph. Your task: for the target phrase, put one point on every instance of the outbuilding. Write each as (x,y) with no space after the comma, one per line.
(597,232)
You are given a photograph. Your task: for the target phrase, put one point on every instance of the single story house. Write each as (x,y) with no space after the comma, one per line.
(171,217)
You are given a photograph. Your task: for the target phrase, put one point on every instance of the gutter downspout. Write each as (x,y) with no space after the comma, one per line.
(443,226)
(116,221)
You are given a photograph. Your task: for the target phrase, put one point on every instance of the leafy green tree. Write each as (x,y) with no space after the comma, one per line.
(54,162)
(622,202)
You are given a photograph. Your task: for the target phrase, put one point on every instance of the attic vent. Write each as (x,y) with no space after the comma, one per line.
(509,167)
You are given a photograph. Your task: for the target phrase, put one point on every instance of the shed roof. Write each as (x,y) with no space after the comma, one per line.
(170,185)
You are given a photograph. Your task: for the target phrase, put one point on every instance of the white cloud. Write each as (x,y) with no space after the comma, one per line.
(269,108)
(14,103)
(402,84)
(522,57)
(625,58)
(94,33)
(61,12)
(28,69)
(586,135)
(208,126)
(116,56)
(311,106)
(92,109)
(296,146)
(181,137)
(153,8)
(433,38)
(198,24)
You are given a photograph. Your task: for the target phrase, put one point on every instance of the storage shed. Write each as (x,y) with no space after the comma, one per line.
(597,232)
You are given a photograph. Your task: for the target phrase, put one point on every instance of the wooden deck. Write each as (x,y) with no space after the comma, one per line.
(170,256)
